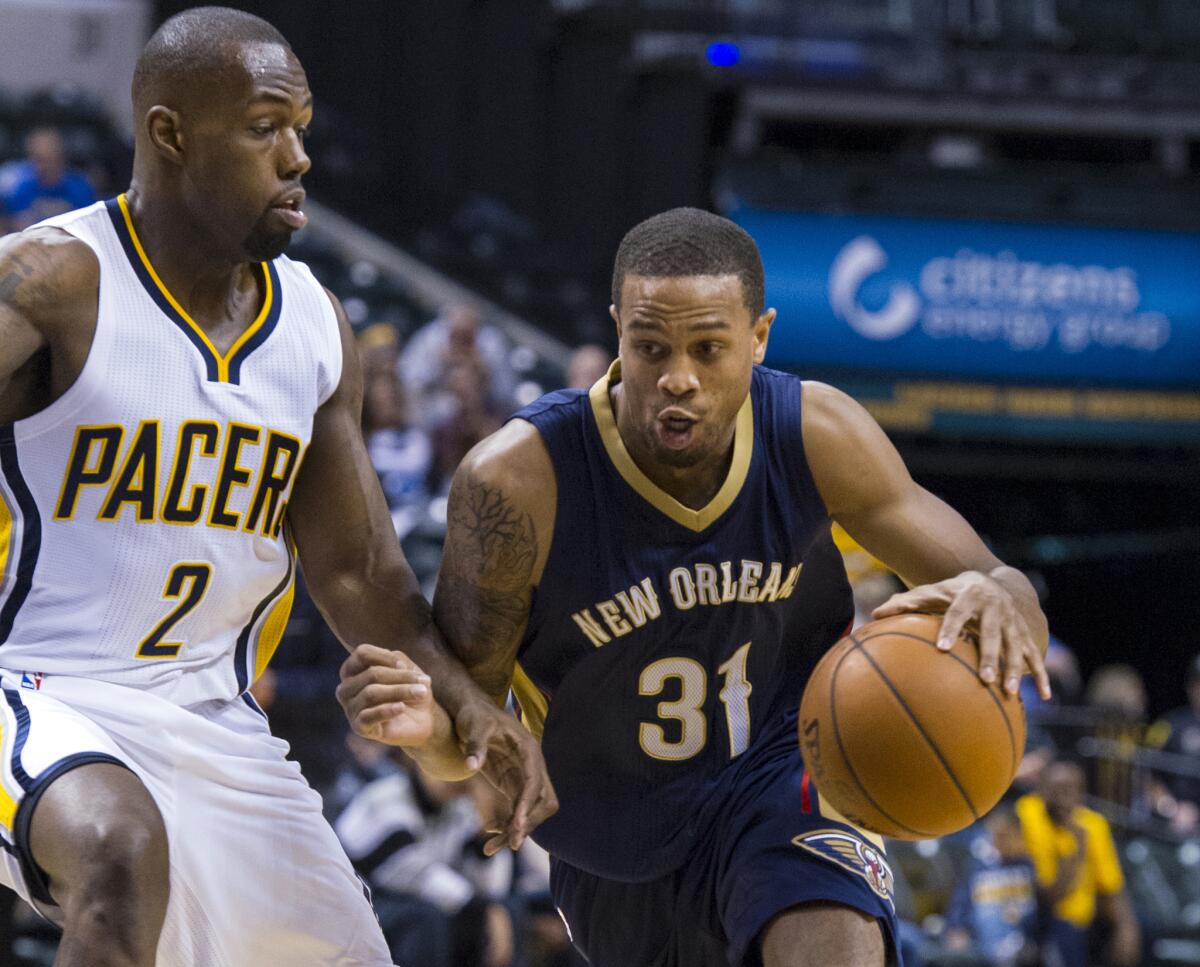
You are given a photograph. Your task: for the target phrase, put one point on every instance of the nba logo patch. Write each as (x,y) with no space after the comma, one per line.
(32,680)
(853,854)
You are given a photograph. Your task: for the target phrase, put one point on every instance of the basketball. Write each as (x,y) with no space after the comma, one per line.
(904,739)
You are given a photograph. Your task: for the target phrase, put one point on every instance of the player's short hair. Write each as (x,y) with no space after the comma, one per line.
(689,241)
(191,46)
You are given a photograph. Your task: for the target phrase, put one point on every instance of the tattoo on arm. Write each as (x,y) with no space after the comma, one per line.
(18,271)
(485,589)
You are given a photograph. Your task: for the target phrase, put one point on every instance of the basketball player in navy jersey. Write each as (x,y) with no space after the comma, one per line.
(181,420)
(649,566)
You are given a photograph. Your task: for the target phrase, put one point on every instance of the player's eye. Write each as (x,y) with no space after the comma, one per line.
(302,132)
(710,348)
(650,350)
(264,128)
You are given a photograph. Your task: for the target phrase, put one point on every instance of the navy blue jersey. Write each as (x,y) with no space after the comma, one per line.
(666,646)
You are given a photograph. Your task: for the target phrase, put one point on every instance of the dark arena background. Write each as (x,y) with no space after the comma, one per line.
(979,217)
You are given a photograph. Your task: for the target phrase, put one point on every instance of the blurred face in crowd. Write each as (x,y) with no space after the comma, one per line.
(1006,835)
(588,364)
(687,346)
(240,145)
(1063,786)
(44,149)
(384,404)
(463,325)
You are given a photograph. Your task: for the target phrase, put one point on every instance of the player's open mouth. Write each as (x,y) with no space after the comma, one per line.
(287,208)
(676,430)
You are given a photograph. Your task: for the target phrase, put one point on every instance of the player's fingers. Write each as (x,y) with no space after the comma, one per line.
(474,745)
(365,655)
(991,644)
(495,844)
(378,714)
(929,597)
(961,610)
(1037,665)
(532,771)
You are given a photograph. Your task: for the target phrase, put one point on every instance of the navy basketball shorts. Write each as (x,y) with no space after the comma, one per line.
(771,843)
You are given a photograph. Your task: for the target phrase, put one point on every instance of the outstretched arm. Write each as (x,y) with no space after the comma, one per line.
(868,490)
(359,579)
(500,518)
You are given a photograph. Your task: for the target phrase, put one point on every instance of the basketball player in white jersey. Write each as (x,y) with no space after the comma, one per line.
(179,422)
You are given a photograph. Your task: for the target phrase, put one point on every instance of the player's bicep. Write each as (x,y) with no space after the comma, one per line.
(920,537)
(337,513)
(20,286)
(869,491)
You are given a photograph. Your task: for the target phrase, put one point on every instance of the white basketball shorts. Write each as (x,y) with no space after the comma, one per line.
(258,878)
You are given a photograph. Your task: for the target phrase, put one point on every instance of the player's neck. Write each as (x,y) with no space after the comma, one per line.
(694,486)
(206,283)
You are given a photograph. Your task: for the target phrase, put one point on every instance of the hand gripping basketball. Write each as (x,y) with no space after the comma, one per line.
(903,738)
(976,600)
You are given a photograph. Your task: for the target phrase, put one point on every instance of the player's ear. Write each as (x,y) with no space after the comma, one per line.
(612,311)
(762,329)
(162,125)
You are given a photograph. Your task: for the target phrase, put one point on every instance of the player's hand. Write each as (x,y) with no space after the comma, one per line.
(495,742)
(975,598)
(386,697)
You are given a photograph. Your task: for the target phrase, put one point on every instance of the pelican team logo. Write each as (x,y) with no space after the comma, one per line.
(851,853)
(858,260)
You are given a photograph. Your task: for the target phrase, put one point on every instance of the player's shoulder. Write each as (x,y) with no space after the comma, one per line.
(47,273)
(829,414)
(514,460)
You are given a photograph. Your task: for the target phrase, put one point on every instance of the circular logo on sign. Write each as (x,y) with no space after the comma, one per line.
(858,260)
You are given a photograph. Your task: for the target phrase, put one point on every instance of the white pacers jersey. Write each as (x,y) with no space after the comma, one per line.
(142,537)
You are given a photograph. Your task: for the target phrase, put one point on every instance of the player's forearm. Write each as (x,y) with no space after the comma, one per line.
(384,606)
(1026,599)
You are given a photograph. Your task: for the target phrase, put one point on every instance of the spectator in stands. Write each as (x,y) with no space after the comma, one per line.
(587,364)
(1174,795)
(467,419)
(1117,695)
(993,913)
(456,337)
(418,841)
(42,185)
(401,453)
(1077,869)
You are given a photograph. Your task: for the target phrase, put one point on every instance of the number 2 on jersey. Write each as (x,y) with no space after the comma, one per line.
(688,709)
(192,575)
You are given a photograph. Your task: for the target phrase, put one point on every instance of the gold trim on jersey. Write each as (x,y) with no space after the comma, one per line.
(222,362)
(614,446)
(6,537)
(272,630)
(534,706)
(827,809)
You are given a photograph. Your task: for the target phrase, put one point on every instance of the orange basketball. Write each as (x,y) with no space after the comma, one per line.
(904,739)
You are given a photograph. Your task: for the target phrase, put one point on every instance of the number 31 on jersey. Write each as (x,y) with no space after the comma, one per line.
(688,709)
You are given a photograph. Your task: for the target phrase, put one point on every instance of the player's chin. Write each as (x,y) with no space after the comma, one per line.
(264,245)
(686,456)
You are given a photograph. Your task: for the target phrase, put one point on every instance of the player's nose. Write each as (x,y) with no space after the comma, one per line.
(294,161)
(679,379)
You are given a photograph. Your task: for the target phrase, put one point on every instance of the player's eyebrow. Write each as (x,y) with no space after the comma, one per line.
(702,326)
(275,98)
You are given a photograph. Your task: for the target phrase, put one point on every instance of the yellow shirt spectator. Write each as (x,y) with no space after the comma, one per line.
(1048,843)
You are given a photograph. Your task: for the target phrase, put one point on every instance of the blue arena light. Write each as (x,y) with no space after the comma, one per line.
(723,54)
